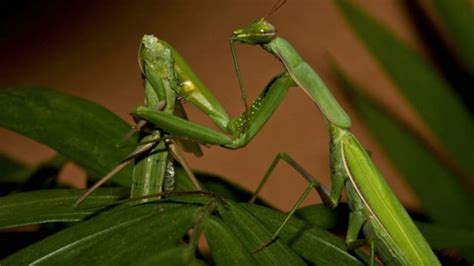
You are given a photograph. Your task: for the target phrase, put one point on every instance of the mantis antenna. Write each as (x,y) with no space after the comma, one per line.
(278,4)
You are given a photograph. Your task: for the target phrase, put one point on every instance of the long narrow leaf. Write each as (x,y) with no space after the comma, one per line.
(119,236)
(429,94)
(53,206)
(252,233)
(458,17)
(225,247)
(80,130)
(77,236)
(135,242)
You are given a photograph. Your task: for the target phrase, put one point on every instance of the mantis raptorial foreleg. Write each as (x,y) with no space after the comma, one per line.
(239,131)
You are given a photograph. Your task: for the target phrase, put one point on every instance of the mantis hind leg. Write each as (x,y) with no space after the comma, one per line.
(329,199)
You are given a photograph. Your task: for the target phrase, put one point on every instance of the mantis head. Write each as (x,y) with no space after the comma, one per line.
(258,32)
(153,53)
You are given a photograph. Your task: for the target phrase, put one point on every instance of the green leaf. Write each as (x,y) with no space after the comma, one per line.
(312,243)
(458,17)
(82,131)
(252,233)
(429,94)
(137,241)
(53,205)
(117,237)
(225,247)
(444,199)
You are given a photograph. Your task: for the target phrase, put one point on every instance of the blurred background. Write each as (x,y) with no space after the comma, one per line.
(89,49)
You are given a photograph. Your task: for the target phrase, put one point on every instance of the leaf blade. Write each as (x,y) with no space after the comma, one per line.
(225,247)
(76,244)
(458,18)
(253,233)
(83,131)
(52,206)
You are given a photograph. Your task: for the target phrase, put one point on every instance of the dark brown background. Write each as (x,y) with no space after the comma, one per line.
(89,49)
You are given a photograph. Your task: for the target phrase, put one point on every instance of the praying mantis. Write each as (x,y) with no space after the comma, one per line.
(153,172)
(375,210)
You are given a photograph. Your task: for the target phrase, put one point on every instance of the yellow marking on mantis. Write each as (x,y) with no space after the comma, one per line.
(188,86)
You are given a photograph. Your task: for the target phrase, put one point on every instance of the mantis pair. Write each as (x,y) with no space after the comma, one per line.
(375,210)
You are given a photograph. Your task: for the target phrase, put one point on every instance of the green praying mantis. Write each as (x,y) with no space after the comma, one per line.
(375,210)
(153,172)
